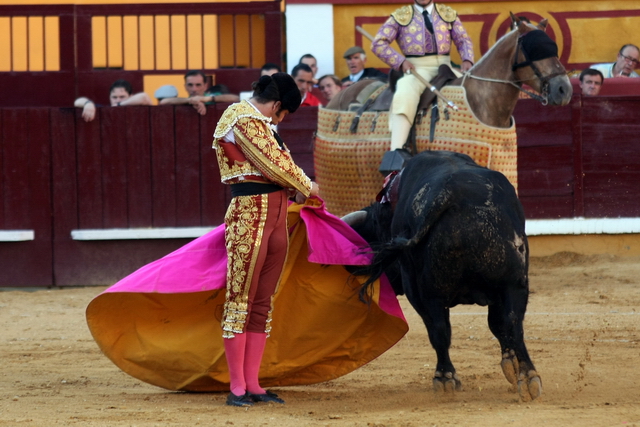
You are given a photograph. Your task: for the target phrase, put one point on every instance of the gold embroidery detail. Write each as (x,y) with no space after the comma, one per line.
(235,112)
(261,149)
(254,137)
(446,13)
(244,222)
(403,15)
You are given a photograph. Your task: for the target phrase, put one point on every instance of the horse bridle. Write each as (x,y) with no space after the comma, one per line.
(543,98)
(544,80)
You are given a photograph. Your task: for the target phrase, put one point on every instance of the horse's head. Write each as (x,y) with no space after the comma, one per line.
(536,63)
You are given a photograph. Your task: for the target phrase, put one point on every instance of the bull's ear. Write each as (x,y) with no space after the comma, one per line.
(543,24)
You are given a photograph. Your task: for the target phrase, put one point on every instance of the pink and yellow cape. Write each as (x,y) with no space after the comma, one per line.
(161,324)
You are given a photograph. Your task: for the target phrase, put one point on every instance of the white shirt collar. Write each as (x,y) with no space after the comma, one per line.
(356,77)
(256,108)
(420,9)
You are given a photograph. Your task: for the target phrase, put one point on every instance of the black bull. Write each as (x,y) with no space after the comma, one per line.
(456,236)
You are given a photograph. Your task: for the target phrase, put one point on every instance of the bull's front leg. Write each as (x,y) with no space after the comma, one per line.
(436,318)
(506,323)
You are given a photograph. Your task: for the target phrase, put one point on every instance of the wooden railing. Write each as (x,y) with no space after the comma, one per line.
(87,203)
(67,185)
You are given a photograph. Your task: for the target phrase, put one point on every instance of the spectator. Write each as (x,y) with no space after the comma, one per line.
(625,64)
(591,82)
(303,76)
(166,91)
(356,59)
(269,69)
(119,95)
(329,85)
(199,95)
(311,61)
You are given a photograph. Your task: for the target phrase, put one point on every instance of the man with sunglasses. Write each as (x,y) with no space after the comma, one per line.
(627,61)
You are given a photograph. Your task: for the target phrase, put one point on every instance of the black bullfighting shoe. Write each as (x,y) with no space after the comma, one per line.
(268,396)
(242,400)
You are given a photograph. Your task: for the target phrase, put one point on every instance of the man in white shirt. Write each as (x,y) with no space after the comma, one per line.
(627,61)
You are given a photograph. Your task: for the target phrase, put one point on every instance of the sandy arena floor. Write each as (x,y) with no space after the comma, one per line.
(581,330)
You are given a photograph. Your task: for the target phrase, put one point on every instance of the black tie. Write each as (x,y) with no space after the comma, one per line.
(280,141)
(427,21)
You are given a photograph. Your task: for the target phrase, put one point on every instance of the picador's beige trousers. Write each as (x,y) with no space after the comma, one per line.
(407,96)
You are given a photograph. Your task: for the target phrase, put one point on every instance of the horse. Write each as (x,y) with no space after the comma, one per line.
(489,92)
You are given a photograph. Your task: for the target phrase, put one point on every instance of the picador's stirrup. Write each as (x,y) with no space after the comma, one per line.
(394,161)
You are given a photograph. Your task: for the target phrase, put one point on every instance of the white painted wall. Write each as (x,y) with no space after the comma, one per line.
(572,226)
(310,30)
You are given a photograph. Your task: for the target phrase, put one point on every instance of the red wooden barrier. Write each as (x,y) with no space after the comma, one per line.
(150,168)
(25,196)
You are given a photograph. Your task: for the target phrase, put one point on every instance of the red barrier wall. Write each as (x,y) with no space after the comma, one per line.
(153,167)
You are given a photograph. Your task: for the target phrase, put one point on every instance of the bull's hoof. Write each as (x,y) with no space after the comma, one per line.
(447,382)
(529,386)
(510,366)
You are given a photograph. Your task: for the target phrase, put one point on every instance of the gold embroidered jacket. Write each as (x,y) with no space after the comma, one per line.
(256,155)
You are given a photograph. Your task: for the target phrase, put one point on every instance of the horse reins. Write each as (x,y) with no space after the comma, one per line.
(547,50)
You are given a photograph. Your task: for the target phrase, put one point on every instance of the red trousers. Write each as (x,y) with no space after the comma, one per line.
(257,242)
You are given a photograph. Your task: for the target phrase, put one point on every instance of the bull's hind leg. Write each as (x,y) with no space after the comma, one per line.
(506,322)
(436,318)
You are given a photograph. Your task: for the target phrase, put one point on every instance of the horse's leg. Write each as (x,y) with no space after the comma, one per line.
(505,319)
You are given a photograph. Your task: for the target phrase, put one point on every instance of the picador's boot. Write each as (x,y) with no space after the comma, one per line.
(395,159)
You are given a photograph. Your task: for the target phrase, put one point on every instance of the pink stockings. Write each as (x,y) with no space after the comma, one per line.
(244,354)
(234,349)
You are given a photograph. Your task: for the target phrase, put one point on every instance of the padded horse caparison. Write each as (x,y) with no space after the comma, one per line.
(383,101)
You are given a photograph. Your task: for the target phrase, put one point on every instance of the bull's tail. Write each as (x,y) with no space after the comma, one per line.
(385,255)
(434,203)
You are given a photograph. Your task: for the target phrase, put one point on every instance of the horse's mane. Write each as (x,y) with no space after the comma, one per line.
(483,58)
(532,27)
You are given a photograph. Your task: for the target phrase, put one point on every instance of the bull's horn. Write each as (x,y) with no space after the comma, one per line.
(355,218)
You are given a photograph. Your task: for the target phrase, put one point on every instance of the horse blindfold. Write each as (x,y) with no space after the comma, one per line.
(537,45)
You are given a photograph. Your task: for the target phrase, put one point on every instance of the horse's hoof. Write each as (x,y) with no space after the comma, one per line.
(529,386)
(510,366)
